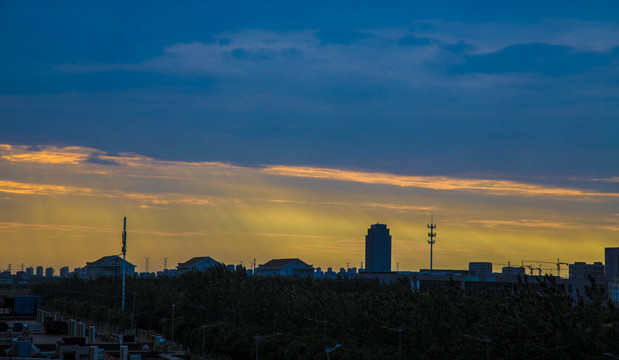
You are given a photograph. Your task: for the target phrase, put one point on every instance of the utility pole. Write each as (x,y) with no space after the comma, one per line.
(124,249)
(432,235)
(133,312)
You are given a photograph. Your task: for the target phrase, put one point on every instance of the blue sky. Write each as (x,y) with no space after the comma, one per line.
(518,89)
(285,129)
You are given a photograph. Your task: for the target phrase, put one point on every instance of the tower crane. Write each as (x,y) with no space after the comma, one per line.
(531,268)
(558,263)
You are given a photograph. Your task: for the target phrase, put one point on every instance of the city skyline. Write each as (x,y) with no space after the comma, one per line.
(245,130)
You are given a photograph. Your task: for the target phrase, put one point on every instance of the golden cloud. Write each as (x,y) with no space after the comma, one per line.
(487,186)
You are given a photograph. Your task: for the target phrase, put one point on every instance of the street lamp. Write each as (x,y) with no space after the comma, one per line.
(260,337)
(173,305)
(204,328)
(133,312)
(484,340)
(329,350)
(399,330)
(274,316)
(324,322)
(233,317)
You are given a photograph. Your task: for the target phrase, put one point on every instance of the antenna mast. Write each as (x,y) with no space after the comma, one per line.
(124,237)
(147,258)
(165,263)
(432,235)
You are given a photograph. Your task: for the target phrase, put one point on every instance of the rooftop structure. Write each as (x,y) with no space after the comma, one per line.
(200,263)
(286,267)
(109,266)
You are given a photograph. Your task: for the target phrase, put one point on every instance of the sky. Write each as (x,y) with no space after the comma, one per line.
(244,130)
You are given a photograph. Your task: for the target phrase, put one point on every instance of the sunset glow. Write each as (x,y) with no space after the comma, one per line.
(54,199)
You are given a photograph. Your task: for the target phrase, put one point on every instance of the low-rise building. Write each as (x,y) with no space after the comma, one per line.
(480,267)
(109,266)
(285,267)
(582,270)
(200,263)
(513,270)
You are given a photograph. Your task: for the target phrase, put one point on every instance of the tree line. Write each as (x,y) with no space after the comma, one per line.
(371,320)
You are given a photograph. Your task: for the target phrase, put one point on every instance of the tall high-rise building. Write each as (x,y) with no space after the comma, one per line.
(64,271)
(378,249)
(611,259)
(39,270)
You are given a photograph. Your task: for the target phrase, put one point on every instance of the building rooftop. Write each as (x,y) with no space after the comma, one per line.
(196,260)
(280,263)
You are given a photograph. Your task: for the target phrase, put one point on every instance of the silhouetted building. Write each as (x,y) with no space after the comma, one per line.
(288,267)
(109,266)
(39,270)
(351,272)
(513,270)
(611,258)
(480,267)
(613,288)
(49,272)
(445,272)
(582,270)
(167,272)
(197,263)
(64,271)
(378,249)
(81,272)
(29,271)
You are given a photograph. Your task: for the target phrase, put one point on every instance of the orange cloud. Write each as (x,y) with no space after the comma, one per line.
(46,154)
(487,186)
(533,223)
(14,187)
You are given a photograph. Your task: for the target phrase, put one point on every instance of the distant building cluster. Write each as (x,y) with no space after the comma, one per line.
(378,260)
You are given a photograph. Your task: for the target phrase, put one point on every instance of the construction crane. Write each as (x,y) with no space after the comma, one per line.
(531,268)
(558,263)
